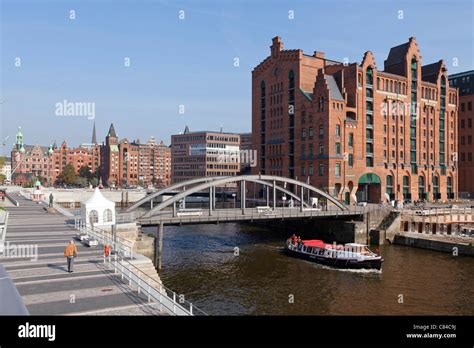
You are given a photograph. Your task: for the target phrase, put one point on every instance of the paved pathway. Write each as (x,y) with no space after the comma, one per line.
(45,285)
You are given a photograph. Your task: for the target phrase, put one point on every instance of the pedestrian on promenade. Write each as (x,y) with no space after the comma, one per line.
(106,250)
(70,252)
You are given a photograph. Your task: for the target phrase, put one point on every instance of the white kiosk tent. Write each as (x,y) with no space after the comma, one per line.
(98,210)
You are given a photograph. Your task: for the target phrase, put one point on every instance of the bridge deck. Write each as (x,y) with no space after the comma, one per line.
(45,285)
(250,214)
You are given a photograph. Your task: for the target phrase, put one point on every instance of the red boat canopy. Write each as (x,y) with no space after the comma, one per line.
(314,243)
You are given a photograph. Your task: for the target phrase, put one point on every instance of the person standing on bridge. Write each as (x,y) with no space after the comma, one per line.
(70,252)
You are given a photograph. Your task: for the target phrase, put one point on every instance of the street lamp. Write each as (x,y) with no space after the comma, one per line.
(233,196)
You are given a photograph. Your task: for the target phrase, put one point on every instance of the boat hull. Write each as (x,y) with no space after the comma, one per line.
(337,263)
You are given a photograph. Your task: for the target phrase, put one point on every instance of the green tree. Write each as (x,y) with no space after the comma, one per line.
(81,182)
(68,176)
(3,177)
(85,172)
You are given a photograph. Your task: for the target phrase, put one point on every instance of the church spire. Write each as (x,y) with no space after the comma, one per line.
(94,137)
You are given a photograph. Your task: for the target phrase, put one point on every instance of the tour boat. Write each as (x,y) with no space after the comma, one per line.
(350,255)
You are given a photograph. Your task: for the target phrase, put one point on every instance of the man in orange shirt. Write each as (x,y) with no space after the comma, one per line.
(70,252)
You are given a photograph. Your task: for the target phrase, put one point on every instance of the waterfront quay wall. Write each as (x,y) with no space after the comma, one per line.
(432,244)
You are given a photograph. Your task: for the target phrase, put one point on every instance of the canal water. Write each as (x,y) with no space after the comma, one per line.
(203,262)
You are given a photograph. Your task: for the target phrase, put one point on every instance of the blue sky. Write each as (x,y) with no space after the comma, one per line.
(189,62)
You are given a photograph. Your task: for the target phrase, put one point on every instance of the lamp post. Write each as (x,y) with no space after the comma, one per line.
(233,196)
(284,200)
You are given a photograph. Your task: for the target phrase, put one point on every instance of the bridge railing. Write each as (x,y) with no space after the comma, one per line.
(167,299)
(254,214)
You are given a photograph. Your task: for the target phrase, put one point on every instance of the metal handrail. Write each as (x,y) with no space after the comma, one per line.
(151,291)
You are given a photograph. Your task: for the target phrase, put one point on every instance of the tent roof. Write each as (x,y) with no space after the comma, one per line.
(98,200)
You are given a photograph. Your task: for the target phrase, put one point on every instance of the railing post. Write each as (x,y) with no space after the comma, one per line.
(115,263)
(191,308)
(139,282)
(130,276)
(122,269)
(149,295)
(161,297)
(174,302)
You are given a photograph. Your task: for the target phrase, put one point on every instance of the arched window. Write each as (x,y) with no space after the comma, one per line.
(369,76)
(406,187)
(435,187)
(93,217)
(421,187)
(107,215)
(291,79)
(449,186)
(389,184)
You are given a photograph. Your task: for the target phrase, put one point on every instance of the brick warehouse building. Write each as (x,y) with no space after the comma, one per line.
(126,163)
(358,132)
(465,83)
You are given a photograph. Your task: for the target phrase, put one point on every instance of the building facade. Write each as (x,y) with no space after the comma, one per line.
(201,154)
(6,170)
(30,161)
(359,132)
(465,83)
(131,163)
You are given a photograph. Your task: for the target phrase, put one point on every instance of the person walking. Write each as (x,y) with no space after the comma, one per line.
(106,250)
(70,252)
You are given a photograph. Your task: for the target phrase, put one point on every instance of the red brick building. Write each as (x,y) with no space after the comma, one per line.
(133,164)
(357,131)
(465,83)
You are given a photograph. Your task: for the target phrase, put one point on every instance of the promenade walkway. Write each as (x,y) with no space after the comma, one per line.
(44,283)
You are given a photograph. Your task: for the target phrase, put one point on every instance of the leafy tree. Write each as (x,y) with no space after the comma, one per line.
(3,177)
(81,182)
(68,176)
(85,172)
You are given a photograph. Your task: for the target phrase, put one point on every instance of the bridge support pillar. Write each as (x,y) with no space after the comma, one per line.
(242,196)
(301,198)
(174,209)
(159,246)
(274,195)
(210,200)
(267,188)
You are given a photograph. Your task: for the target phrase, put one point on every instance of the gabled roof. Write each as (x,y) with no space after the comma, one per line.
(306,94)
(333,87)
(430,72)
(397,54)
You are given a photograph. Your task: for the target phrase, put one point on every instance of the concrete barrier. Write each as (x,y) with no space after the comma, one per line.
(11,302)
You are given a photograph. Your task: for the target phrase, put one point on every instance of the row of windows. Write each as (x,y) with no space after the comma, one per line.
(469,123)
(469,106)
(391,86)
(469,157)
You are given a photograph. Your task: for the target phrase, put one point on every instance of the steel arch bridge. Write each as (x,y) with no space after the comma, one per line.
(210,183)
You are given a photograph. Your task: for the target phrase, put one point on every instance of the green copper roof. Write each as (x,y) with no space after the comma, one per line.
(37,183)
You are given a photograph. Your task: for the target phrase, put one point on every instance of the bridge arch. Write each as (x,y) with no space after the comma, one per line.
(210,183)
